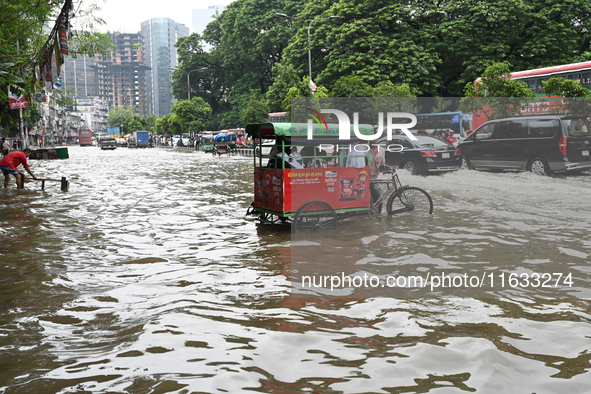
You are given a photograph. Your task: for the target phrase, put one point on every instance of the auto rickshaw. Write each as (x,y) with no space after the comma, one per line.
(207,143)
(328,180)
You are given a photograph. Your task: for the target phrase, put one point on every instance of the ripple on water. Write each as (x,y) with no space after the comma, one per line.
(147,277)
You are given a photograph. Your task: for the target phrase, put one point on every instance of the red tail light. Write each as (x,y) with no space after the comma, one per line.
(428,153)
(562,145)
(458,152)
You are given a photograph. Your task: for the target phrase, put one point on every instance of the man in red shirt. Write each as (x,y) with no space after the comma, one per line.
(9,165)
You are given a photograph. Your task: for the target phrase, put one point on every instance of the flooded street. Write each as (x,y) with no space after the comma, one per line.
(148,277)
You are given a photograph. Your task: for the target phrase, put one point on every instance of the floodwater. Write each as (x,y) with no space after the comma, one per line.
(147,277)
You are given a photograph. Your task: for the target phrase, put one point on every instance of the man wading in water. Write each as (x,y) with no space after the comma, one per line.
(9,165)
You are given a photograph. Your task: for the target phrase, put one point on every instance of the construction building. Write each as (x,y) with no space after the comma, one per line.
(121,74)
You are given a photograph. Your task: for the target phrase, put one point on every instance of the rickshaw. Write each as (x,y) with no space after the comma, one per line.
(220,141)
(232,141)
(207,144)
(320,186)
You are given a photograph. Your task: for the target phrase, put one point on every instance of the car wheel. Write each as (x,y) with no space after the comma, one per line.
(409,166)
(466,163)
(539,166)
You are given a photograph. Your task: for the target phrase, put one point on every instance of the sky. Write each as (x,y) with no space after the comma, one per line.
(126,16)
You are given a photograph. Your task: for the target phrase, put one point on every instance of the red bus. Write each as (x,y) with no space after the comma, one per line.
(579,72)
(542,104)
(278,117)
(85,137)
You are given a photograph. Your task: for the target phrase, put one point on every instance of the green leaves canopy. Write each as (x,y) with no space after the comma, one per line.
(192,115)
(435,48)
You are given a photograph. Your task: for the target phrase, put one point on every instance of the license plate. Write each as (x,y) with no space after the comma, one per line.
(446,155)
(585,153)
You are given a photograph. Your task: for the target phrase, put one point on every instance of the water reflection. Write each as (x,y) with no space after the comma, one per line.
(147,277)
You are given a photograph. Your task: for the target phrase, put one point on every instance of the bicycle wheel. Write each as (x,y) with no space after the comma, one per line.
(315,215)
(410,200)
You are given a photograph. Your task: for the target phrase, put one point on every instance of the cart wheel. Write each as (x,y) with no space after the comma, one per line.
(251,210)
(265,218)
(410,200)
(374,212)
(315,215)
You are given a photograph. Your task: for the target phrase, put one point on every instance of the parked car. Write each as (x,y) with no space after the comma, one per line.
(108,143)
(425,155)
(121,142)
(540,144)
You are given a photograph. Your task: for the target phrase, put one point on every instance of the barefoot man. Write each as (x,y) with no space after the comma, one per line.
(9,165)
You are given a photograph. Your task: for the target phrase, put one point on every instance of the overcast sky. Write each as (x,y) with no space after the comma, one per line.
(126,16)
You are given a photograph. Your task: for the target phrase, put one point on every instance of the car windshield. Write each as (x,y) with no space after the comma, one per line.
(430,142)
(579,126)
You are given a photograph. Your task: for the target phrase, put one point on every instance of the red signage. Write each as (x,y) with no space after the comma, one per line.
(285,191)
(14,101)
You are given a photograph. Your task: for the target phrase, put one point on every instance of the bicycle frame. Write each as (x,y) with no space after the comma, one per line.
(393,185)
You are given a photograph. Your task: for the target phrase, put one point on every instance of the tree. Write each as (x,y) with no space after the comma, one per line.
(246,40)
(134,125)
(286,79)
(121,116)
(192,115)
(564,88)
(149,123)
(161,125)
(302,89)
(375,40)
(495,94)
(351,86)
(576,99)
(390,97)
(257,111)
(470,35)
(23,36)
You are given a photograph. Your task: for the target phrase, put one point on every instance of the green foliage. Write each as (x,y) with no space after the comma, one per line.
(495,82)
(118,116)
(175,125)
(23,34)
(257,111)
(192,115)
(388,89)
(149,123)
(496,94)
(134,125)
(161,125)
(564,87)
(302,89)
(245,41)
(351,86)
(576,99)
(286,79)
(390,97)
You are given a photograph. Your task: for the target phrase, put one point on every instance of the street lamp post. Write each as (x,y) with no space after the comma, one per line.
(308,25)
(188,81)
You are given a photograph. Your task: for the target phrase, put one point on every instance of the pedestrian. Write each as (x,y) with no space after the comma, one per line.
(19,144)
(10,163)
(296,158)
(377,161)
(450,138)
(6,148)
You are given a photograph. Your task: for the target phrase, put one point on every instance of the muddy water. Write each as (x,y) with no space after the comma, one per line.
(147,277)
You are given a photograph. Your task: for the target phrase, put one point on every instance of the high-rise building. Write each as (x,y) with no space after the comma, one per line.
(121,74)
(78,77)
(160,35)
(202,17)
